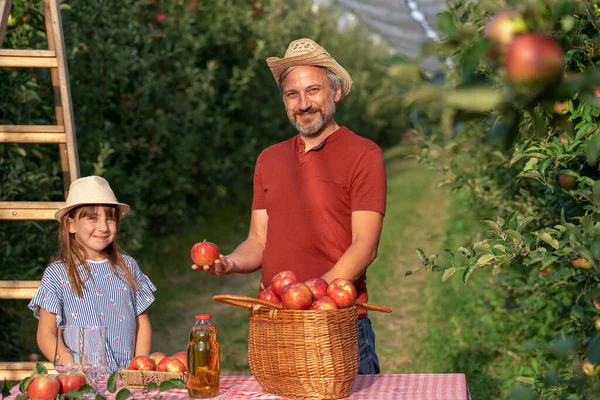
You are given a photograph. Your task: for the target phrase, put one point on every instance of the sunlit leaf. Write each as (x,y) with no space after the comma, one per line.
(474,99)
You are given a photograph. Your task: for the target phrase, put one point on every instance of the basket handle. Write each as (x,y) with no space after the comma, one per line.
(244,301)
(251,302)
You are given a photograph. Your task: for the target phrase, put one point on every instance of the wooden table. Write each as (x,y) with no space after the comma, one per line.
(365,387)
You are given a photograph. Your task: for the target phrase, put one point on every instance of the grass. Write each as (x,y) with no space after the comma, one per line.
(435,327)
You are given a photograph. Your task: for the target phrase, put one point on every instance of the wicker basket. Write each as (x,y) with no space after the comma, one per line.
(133,379)
(302,354)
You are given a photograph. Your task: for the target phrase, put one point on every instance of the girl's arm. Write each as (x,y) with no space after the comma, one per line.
(46,335)
(143,338)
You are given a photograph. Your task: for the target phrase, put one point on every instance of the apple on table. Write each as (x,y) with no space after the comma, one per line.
(141,363)
(71,380)
(157,356)
(43,387)
(170,364)
(181,356)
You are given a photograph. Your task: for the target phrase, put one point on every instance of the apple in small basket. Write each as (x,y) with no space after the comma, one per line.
(181,356)
(342,291)
(157,356)
(142,363)
(281,280)
(170,364)
(296,296)
(205,253)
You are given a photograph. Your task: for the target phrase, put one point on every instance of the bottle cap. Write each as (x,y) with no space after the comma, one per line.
(203,316)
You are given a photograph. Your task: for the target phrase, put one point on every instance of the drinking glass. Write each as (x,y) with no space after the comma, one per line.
(93,360)
(69,344)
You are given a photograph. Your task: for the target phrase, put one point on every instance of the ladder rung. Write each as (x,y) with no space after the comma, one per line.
(18,289)
(29,210)
(32,134)
(28,59)
(17,370)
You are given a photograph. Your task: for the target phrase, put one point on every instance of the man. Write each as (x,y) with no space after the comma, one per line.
(319,197)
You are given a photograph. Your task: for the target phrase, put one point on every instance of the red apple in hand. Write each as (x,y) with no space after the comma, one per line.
(342,291)
(280,281)
(323,303)
(157,356)
(170,364)
(205,253)
(268,295)
(296,296)
(318,287)
(181,356)
(43,387)
(71,380)
(142,363)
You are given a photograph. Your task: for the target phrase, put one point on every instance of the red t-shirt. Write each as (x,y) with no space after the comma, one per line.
(310,197)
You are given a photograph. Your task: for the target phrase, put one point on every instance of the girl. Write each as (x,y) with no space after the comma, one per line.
(91,282)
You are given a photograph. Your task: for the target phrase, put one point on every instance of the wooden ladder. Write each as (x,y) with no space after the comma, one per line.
(63,134)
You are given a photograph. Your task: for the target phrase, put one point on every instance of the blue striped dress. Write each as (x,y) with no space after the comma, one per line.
(106,301)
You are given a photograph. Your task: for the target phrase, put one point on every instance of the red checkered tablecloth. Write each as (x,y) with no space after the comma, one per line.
(365,387)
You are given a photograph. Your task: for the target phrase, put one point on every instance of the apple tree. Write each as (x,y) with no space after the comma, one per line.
(512,120)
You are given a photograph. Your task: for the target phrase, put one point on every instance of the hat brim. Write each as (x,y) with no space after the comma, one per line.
(123,209)
(317,58)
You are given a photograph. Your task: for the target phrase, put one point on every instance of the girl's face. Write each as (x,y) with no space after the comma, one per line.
(94,228)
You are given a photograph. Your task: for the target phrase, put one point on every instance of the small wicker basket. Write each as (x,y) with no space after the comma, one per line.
(134,379)
(302,354)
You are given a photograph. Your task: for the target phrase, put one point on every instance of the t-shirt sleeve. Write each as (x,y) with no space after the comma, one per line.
(50,295)
(258,200)
(144,295)
(368,191)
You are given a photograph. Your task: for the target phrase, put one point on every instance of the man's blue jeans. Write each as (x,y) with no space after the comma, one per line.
(369,363)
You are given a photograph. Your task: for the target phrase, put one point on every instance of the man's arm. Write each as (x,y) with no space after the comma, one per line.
(366,230)
(247,257)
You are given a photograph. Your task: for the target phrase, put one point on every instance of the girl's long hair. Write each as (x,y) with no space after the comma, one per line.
(73,254)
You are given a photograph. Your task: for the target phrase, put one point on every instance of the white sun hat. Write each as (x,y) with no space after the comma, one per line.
(90,190)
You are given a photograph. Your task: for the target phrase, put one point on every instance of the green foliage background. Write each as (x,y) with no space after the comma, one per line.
(506,146)
(172,112)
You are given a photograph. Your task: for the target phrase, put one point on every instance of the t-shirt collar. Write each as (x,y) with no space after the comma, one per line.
(300,145)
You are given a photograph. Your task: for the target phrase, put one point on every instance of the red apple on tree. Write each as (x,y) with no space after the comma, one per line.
(181,356)
(171,364)
(502,28)
(533,61)
(71,380)
(567,181)
(318,286)
(268,295)
(342,291)
(43,387)
(142,363)
(323,303)
(582,263)
(205,253)
(157,356)
(296,296)
(282,279)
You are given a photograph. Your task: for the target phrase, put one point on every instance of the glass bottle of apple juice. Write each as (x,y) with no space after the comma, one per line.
(203,355)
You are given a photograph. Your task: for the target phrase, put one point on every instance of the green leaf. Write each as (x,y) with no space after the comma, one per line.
(594,350)
(171,383)
(152,386)
(474,99)
(450,271)
(111,384)
(472,56)
(491,223)
(592,149)
(548,239)
(74,394)
(515,236)
(485,259)
(123,394)
(523,393)
(6,388)
(564,347)
(596,247)
(422,255)
(465,252)
(445,23)
(40,369)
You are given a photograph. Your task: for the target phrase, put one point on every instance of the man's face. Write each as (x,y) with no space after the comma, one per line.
(309,100)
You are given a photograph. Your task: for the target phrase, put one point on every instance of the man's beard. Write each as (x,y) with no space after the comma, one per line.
(313,130)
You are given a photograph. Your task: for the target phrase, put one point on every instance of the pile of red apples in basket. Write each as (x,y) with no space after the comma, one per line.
(313,294)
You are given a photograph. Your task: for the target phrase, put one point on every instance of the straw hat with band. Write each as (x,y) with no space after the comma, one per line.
(308,52)
(90,190)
